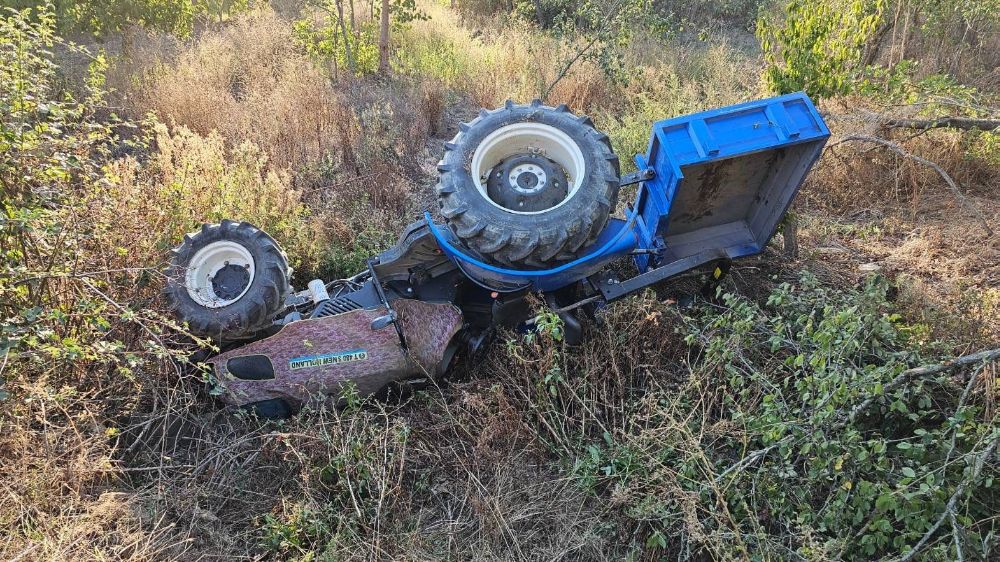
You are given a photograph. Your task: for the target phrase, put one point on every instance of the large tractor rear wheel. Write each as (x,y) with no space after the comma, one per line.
(528,185)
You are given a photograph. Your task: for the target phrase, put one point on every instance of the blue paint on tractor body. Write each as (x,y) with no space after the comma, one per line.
(723,179)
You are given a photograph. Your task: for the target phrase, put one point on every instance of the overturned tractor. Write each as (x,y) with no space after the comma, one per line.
(526,193)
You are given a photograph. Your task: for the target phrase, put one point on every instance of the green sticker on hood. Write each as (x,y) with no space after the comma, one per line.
(310,361)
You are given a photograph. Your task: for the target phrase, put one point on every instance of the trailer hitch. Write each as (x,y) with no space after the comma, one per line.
(637,176)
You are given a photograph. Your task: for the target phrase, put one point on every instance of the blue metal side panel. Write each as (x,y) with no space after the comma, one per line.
(735,130)
(719,134)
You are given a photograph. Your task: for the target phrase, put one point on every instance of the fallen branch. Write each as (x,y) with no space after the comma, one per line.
(902,378)
(949,508)
(986,356)
(944,175)
(965,123)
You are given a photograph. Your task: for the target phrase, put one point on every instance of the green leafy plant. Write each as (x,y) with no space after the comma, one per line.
(800,430)
(818,46)
(348,40)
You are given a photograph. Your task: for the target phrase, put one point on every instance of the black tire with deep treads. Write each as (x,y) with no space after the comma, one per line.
(539,240)
(256,309)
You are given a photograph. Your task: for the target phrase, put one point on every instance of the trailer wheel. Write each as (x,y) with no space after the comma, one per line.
(227,280)
(528,185)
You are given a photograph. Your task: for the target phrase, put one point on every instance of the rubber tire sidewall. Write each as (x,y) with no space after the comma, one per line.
(256,308)
(540,239)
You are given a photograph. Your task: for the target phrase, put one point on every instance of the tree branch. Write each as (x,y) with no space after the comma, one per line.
(964,123)
(949,508)
(944,175)
(986,356)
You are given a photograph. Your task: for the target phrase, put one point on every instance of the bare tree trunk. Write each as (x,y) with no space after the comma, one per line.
(336,70)
(910,14)
(354,22)
(538,13)
(343,32)
(790,235)
(383,40)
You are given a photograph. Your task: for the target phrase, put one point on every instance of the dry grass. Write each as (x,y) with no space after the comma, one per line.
(866,205)
(352,150)
(247,82)
(251,82)
(501,59)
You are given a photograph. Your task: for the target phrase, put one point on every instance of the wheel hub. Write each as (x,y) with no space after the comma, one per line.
(230,281)
(527,183)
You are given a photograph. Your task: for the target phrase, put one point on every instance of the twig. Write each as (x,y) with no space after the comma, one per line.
(949,508)
(961,404)
(964,123)
(944,175)
(122,469)
(751,458)
(960,557)
(68,275)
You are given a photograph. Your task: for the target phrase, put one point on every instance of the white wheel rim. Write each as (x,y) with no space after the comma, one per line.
(528,138)
(207,263)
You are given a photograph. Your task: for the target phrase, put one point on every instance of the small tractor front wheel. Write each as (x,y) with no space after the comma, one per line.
(227,280)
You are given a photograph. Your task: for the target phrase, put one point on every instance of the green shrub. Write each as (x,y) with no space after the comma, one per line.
(104,18)
(324,40)
(55,203)
(819,45)
(793,434)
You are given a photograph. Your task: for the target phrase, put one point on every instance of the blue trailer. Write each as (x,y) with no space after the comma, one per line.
(526,195)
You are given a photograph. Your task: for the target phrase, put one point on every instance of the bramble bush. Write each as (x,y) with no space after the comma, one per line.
(792,434)
(58,275)
(88,208)
(81,338)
